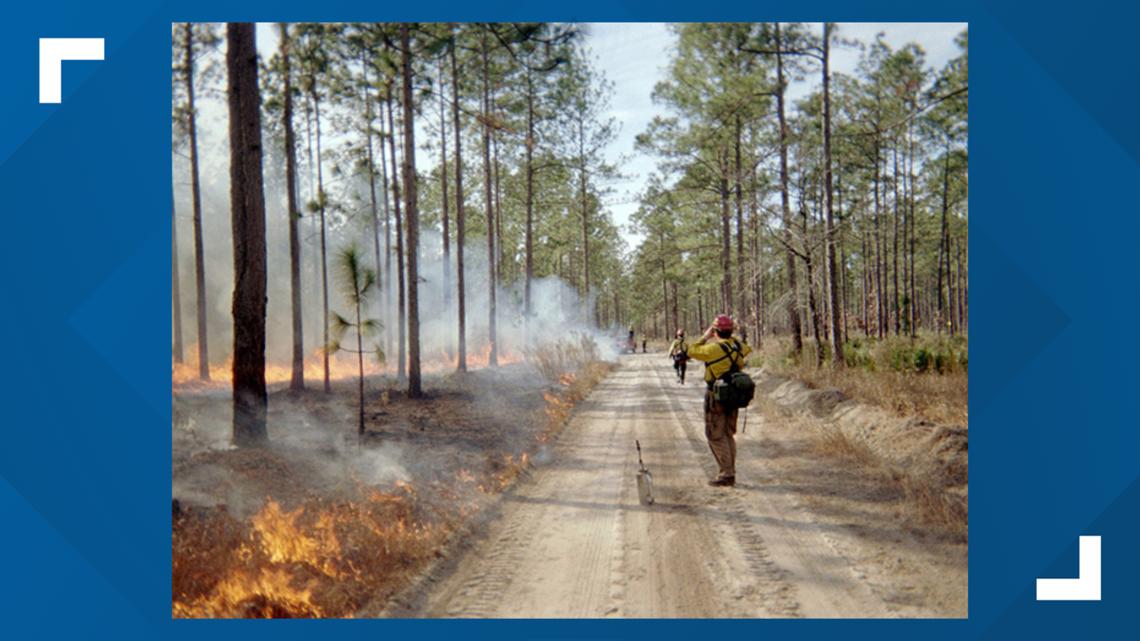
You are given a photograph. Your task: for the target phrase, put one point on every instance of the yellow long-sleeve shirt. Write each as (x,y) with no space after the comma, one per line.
(714,357)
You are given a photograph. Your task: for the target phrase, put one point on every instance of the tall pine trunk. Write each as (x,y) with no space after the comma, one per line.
(498,190)
(297,379)
(785,205)
(529,188)
(247,203)
(664,282)
(196,196)
(446,223)
(412,210)
(401,342)
(726,238)
(895,240)
(963,322)
(810,273)
(942,237)
(880,320)
(176,290)
(324,237)
(459,214)
(488,197)
(585,204)
(387,283)
(835,308)
(911,217)
(371,159)
(741,305)
(843,275)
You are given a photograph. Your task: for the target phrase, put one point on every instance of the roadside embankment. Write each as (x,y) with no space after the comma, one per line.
(928,461)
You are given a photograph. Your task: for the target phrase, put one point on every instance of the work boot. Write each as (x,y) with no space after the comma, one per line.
(728,481)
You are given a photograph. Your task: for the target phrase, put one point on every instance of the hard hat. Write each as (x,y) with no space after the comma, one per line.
(723,323)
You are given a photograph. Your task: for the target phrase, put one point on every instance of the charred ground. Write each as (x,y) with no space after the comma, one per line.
(320,522)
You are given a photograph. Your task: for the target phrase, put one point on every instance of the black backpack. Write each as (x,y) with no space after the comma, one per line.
(681,355)
(734,389)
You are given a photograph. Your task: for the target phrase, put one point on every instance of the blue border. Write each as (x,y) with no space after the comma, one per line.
(85,467)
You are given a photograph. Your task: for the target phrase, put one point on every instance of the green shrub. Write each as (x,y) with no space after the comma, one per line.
(922,358)
(942,362)
(856,354)
(900,357)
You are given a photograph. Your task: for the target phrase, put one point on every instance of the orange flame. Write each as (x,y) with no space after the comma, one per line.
(342,366)
(268,593)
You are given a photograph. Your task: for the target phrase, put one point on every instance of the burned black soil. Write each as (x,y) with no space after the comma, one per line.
(466,422)
(322,520)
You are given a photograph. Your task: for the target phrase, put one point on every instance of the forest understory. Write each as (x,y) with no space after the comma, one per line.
(923,377)
(320,523)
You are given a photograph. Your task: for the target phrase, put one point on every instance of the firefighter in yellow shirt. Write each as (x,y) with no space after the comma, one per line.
(721,353)
(678,352)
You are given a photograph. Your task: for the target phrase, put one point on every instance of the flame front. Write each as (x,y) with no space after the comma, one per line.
(285,565)
(341,367)
(327,558)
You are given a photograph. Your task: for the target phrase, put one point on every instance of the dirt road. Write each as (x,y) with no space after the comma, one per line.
(799,536)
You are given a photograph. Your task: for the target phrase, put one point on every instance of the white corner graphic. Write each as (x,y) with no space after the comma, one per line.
(53,51)
(1086,587)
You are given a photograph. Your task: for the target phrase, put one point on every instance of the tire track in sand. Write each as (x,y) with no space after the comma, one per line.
(573,541)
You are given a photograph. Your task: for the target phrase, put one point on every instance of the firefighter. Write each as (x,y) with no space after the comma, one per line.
(678,351)
(720,352)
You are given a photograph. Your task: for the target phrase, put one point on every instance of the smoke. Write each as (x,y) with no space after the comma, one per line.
(315,443)
(556,311)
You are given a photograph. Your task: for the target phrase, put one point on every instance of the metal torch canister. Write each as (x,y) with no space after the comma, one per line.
(644,480)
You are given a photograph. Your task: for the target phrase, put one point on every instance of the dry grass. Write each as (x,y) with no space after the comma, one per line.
(933,504)
(835,444)
(555,360)
(939,398)
(320,557)
(925,498)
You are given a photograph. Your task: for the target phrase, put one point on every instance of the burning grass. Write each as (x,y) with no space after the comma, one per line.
(321,559)
(184,376)
(342,366)
(301,529)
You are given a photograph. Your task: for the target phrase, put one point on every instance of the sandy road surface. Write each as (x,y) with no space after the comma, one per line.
(794,538)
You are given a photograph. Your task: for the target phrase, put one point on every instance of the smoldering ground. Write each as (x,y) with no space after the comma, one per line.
(321,522)
(469,422)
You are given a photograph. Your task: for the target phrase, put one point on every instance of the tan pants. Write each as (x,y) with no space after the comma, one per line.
(720,426)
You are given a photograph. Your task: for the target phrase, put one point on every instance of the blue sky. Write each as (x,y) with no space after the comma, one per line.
(634,56)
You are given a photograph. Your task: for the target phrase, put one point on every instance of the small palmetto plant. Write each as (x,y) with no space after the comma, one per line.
(356,282)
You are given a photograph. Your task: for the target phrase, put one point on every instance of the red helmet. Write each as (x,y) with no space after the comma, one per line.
(680,332)
(723,323)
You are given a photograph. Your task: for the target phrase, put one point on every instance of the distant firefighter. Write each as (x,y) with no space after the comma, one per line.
(679,352)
